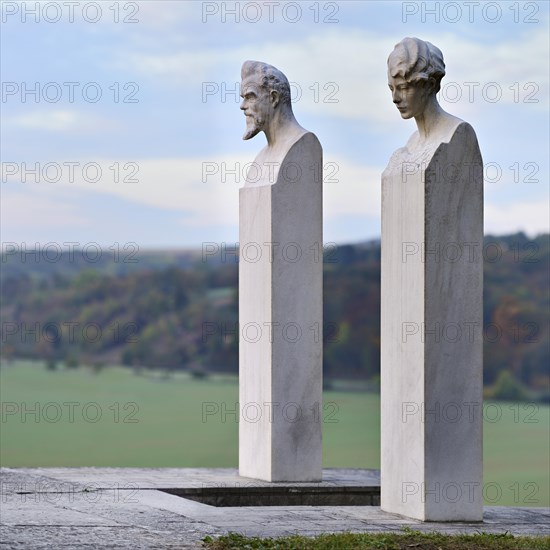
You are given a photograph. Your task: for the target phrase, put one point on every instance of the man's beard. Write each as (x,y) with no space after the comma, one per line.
(254,125)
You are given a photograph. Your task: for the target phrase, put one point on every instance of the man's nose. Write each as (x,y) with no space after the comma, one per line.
(396,97)
(241,106)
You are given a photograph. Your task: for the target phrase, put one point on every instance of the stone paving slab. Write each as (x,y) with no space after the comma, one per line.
(157,478)
(124,508)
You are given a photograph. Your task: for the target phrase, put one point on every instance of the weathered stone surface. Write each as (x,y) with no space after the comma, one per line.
(432,293)
(280,288)
(144,517)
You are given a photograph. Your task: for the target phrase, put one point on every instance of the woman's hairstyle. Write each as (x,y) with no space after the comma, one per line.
(416,61)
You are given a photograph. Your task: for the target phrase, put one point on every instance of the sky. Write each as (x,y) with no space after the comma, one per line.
(121,120)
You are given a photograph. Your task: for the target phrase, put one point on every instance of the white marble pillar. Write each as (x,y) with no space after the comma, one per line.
(280,291)
(432,305)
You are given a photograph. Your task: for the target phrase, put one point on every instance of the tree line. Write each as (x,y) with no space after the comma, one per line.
(176,311)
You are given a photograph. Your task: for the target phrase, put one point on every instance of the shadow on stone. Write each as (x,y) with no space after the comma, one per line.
(281,496)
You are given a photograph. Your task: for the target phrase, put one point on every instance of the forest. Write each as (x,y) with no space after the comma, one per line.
(178,310)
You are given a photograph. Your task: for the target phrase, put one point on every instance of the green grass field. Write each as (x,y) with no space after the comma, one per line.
(117,418)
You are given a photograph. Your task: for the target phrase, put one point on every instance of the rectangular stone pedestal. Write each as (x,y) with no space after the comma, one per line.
(431,334)
(280,321)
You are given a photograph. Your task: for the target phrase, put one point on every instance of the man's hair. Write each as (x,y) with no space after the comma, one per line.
(268,77)
(417,61)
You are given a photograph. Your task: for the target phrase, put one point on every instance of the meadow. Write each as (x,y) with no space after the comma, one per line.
(77,417)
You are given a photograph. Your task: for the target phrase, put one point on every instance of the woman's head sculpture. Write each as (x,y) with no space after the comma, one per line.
(415,70)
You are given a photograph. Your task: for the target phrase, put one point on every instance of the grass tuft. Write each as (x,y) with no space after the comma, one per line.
(408,539)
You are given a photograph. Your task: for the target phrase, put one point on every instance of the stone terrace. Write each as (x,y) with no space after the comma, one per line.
(129,508)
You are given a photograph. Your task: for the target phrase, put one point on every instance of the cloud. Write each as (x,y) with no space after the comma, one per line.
(342,72)
(206,195)
(62,121)
(45,207)
(206,191)
(510,73)
(340,77)
(528,216)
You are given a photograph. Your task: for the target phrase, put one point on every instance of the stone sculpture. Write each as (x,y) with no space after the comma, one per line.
(431,308)
(280,288)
